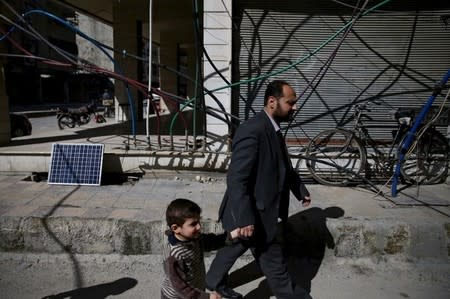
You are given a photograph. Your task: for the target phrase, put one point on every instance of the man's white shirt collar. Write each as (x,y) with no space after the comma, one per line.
(275,125)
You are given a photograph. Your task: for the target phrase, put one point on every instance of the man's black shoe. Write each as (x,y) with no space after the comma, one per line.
(226,292)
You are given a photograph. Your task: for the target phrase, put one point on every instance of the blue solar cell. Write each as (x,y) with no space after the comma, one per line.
(76,164)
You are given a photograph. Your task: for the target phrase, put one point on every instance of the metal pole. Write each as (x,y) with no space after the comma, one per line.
(411,133)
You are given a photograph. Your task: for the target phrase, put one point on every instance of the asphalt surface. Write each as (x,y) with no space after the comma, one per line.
(30,276)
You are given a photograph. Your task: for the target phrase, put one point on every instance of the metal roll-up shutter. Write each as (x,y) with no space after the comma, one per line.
(394,56)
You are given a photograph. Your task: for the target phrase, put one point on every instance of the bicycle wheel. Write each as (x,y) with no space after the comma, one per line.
(427,162)
(335,157)
(66,121)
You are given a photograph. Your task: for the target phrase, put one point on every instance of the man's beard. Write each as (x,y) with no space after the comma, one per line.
(279,117)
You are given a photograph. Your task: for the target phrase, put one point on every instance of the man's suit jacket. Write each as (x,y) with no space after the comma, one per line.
(257,192)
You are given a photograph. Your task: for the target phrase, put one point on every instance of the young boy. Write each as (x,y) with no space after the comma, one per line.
(183,262)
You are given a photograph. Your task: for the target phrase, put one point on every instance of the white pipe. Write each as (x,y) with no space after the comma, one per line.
(147,120)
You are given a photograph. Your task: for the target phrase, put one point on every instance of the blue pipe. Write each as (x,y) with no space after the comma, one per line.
(411,133)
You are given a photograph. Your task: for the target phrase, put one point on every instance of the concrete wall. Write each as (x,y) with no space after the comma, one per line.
(103,33)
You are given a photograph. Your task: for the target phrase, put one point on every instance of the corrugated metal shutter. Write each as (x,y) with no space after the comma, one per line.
(394,56)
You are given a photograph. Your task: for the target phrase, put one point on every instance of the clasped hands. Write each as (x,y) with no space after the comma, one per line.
(242,232)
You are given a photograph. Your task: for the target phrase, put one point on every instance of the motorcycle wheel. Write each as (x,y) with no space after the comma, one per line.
(66,121)
(85,118)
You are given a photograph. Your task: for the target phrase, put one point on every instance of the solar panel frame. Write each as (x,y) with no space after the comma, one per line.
(76,164)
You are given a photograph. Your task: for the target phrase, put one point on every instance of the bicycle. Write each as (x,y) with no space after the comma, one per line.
(339,156)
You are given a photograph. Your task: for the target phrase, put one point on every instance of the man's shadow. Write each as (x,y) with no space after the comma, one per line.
(99,291)
(305,241)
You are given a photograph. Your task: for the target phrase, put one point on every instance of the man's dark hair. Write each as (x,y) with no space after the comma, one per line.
(180,209)
(274,89)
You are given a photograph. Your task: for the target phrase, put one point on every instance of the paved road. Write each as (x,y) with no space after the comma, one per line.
(97,276)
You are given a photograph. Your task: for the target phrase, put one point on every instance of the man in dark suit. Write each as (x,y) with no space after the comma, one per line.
(256,202)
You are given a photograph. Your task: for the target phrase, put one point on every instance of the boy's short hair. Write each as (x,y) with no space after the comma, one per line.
(180,209)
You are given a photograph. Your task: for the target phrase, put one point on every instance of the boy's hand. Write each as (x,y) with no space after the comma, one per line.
(214,295)
(306,201)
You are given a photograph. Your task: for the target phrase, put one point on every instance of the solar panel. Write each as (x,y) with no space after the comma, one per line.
(76,164)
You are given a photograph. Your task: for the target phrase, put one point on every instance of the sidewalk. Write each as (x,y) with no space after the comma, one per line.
(129,218)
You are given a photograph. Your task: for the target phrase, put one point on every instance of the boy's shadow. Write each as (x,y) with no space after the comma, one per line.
(99,291)
(305,240)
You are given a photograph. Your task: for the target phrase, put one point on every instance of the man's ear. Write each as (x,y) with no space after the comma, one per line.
(271,102)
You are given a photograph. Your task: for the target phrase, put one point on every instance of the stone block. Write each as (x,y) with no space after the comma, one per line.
(428,241)
(11,238)
(396,239)
(347,236)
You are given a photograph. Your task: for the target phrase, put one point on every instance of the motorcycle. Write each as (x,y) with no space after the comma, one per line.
(70,117)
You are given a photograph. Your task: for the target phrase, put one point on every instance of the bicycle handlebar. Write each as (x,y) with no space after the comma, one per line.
(398,114)
(365,105)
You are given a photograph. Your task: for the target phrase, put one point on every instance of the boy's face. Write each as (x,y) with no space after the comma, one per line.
(190,229)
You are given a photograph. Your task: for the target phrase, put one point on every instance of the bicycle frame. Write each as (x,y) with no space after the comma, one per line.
(360,130)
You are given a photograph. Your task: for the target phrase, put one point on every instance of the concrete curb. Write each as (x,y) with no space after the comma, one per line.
(351,238)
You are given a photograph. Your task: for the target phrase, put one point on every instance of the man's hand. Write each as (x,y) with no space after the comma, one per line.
(246,231)
(306,201)
(242,232)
